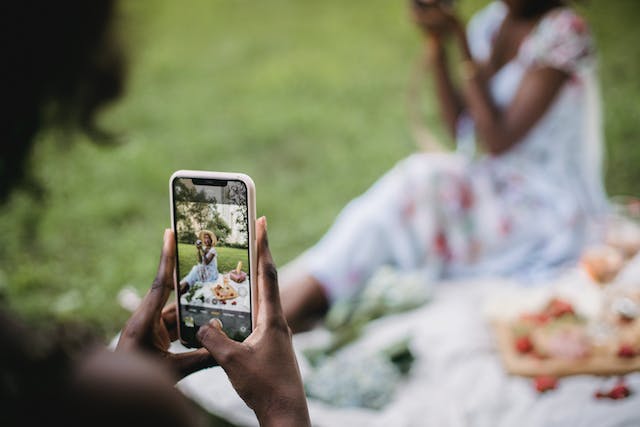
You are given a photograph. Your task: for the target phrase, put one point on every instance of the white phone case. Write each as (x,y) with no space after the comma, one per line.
(251,218)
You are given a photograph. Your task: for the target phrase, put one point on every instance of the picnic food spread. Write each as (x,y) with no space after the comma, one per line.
(558,341)
(224,291)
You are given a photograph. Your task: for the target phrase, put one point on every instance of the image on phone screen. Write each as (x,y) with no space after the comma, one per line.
(212,256)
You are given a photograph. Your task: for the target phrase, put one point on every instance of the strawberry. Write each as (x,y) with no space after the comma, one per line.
(524,344)
(619,391)
(545,383)
(626,351)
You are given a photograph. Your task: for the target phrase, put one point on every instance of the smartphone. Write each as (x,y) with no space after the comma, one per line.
(213,218)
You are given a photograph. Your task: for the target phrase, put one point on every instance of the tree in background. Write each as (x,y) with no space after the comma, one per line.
(196,211)
(236,193)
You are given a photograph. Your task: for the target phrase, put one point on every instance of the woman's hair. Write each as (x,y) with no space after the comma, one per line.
(533,8)
(62,63)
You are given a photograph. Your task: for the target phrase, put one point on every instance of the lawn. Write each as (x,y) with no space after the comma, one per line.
(309,98)
(227,258)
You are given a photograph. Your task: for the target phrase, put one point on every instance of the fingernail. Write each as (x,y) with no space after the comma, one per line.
(264,220)
(216,323)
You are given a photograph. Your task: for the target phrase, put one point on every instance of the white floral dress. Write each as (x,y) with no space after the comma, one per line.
(203,272)
(522,214)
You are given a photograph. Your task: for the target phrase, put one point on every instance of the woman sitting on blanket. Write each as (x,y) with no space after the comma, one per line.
(522,205)
(207,268)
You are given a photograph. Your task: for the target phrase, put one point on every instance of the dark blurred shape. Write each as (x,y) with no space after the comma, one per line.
(36,366)
(62,63)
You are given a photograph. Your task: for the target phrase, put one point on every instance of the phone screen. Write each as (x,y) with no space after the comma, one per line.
(212,255)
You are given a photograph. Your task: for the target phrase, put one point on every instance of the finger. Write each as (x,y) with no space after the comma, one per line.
(170,320)
(268,293)
(163,283)
(217,343)
(151,306)
(192,361)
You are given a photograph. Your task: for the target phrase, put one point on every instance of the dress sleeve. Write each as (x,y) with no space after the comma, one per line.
(483,27)
(562,41)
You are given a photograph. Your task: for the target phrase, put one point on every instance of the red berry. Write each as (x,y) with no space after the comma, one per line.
(626,351)
(545,383)
(233,303)
(619,391)
(523,344)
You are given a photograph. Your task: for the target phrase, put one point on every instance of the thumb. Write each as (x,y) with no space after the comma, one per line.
(219,345)
(163,283)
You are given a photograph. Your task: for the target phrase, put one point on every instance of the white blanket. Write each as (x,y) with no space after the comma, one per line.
(457,378)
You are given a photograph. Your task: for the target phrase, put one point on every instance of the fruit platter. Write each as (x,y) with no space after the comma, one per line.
(556,340)
(226,292)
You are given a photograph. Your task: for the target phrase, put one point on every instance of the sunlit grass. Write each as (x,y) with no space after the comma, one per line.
(309,98)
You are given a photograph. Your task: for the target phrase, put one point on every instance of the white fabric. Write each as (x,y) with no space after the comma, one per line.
(457,378)
(203,272)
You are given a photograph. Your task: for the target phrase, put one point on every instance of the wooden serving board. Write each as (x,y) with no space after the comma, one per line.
(530,366)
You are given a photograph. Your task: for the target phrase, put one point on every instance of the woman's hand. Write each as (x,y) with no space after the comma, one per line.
(434,19)
(263,369)
(153,326)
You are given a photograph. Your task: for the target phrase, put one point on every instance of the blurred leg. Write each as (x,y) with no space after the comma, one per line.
(304,301)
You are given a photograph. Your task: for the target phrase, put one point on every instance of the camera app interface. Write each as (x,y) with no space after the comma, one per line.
(212,255)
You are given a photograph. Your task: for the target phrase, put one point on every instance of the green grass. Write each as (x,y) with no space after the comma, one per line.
(309,98)
(227,258)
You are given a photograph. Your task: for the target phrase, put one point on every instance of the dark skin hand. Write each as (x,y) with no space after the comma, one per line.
(497,129)
(263,369)
(153,325)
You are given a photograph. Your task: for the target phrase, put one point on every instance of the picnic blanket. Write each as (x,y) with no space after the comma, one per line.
(457,377)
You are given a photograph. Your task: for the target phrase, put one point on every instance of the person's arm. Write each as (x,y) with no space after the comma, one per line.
(199,253)
(304,302)
(498,130)
(436,25)
(208,256)
(448,97)
(263,369)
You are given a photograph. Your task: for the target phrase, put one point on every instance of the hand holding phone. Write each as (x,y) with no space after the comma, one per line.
(153,325)
(434,17)
(263,369)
